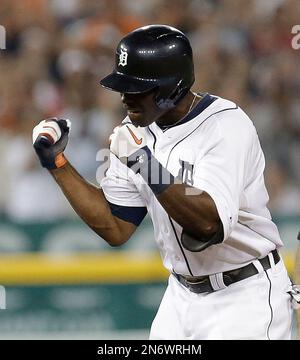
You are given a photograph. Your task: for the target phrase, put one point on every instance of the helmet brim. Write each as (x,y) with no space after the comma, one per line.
(123,83)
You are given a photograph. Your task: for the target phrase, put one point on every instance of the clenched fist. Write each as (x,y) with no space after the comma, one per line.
(50,138)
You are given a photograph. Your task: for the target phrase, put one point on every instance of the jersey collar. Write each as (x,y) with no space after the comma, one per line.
(206,100)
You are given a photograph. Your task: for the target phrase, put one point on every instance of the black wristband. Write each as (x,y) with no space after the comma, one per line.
(156,176)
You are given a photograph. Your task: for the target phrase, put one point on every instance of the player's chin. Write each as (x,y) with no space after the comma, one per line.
(137,118)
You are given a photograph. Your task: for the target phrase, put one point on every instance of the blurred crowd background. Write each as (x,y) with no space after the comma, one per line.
(56,52)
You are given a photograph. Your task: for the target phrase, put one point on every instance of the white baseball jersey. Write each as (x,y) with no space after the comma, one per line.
(215,148)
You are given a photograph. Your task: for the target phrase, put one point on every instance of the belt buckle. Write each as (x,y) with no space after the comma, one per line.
(200,286)
(197,282)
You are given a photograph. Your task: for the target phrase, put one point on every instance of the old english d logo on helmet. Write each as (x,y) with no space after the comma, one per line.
(161,58)
(123,57)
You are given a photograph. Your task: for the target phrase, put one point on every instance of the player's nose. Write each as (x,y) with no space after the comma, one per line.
(127,99)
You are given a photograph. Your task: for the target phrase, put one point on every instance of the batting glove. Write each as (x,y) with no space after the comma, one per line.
(50,138)
(128,143)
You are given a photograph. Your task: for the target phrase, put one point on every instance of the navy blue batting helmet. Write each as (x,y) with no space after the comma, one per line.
(153,57)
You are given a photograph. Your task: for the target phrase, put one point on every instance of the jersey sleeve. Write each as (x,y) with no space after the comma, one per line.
(119,187)
(220,166)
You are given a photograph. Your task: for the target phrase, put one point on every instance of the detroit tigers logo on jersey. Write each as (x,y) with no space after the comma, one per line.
(123,57)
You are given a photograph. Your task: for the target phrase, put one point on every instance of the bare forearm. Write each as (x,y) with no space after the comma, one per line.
(89,203)
(194,210)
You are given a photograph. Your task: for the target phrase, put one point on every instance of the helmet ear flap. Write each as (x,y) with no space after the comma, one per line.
(165,98)
(176,91)
(169,100)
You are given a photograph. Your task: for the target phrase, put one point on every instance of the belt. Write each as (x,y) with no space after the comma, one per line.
(201,284)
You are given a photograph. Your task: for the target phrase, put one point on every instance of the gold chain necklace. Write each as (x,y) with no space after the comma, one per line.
(190,108)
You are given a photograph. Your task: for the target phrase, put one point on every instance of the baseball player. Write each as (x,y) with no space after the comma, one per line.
(193,162)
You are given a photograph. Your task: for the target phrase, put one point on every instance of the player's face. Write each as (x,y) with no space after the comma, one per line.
(141,108)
